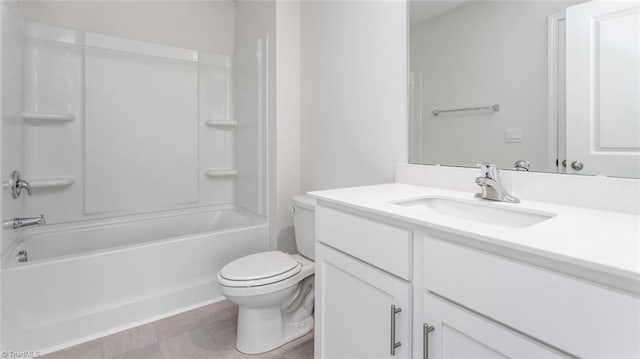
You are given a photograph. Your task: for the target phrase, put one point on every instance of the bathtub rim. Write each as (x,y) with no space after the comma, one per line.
(97,222)
(9,262)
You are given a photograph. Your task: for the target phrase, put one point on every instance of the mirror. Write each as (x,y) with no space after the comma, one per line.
(552,85)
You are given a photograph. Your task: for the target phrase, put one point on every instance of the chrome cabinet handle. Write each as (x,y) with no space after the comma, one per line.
(426,329)
(394,345)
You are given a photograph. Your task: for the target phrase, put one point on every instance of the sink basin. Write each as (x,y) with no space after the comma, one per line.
(482,212)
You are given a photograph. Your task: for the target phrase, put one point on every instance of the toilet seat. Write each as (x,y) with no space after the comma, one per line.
(259,269)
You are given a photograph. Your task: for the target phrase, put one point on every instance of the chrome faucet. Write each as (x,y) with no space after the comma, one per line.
(491,185)
(17,223)
(17,184)
(522,165)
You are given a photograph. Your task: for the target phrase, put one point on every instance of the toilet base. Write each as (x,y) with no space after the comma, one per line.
(261,329)
(266,328)
(296,330)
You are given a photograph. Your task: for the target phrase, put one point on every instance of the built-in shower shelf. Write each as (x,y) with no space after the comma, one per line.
(51,182)
(220,172)
(45,118)
(221,124)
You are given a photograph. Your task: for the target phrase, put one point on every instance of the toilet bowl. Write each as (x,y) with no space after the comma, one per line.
(274,290)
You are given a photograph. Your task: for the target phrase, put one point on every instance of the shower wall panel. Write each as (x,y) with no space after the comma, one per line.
(145,127)
(141,122)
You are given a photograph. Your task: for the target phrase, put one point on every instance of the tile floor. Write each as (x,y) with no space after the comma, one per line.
(206,332)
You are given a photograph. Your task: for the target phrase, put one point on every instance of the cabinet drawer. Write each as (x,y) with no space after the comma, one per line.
(575,316)
(382,245)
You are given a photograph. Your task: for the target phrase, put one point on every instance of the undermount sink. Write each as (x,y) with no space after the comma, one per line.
(483,212)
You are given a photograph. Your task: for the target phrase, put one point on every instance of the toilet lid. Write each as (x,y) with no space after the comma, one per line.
(259,266)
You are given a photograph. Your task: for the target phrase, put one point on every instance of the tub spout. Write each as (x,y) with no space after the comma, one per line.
(17,223)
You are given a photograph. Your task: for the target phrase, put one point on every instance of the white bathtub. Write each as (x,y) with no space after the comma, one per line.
(86,281)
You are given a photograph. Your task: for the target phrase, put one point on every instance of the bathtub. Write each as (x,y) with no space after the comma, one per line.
(84,281)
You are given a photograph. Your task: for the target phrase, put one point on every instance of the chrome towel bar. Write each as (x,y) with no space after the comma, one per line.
(495,108)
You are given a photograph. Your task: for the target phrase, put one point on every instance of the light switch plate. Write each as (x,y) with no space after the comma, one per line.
(513,135)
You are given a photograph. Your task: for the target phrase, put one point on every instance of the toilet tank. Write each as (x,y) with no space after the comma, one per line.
(304,225)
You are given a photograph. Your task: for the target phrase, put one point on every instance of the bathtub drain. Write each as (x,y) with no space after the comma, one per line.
(22,256)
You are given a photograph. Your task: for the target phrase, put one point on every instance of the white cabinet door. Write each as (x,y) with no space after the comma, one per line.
(603,88)
(460,334)
(353,309)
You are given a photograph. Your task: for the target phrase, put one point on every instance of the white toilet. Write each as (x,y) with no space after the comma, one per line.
(274,290)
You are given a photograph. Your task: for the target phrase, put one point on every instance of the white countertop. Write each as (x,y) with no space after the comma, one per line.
(603,242)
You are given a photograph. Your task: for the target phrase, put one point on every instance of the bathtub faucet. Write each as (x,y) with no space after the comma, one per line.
(26,222)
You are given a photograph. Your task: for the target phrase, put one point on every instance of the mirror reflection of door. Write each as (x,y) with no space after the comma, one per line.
(603,88)
(565,74)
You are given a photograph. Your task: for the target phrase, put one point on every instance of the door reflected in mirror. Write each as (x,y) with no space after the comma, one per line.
(549,85)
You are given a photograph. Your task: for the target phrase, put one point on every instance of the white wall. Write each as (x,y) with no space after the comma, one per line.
(287,135)
(484,53)
(200,25)
(354,92)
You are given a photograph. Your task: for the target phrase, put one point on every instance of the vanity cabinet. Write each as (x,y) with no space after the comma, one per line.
(458,297)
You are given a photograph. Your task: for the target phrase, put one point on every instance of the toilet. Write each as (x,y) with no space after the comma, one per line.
(274,290)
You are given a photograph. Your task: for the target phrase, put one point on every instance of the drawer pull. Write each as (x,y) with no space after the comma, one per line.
(426,329)
(394,345)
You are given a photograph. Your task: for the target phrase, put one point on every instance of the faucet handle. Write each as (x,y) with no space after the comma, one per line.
(24,185)
(17,184)
(522,165)
(489,170)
